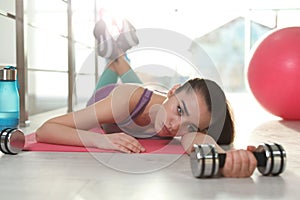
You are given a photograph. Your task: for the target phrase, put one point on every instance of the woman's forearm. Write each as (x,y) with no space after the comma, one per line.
(60,134)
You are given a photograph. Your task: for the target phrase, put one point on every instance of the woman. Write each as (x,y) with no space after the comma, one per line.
(197,112)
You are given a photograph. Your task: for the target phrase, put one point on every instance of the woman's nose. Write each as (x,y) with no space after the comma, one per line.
(175,123)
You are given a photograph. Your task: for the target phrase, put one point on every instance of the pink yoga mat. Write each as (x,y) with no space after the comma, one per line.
(158,146)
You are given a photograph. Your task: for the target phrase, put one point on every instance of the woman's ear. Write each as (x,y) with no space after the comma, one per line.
(172,90)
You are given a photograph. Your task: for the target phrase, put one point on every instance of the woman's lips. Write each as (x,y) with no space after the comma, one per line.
(166,130)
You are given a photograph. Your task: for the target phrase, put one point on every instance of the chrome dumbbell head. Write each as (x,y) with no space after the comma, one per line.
(204,161)
(12,141)
(275,159)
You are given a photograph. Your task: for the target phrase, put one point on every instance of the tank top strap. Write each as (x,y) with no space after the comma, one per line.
(144,100)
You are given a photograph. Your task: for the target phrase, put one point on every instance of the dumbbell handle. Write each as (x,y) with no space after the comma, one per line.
(260,157)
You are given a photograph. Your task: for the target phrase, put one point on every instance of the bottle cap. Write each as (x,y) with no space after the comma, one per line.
(12,141)
(8,73)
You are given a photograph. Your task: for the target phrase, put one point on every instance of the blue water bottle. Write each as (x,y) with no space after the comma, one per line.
(9,98)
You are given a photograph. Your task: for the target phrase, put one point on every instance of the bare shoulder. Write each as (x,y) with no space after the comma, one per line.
(127,94)
(120,103)
(127,89)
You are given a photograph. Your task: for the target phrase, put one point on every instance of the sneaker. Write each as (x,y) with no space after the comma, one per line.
(127,38)
(106,47)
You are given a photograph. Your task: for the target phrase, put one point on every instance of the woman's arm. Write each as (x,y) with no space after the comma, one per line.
(69,129)
(73,128)
(238,164)
(66,131)
(51,132)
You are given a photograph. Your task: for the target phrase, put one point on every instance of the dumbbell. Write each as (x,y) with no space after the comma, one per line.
(12,141)
(206,161)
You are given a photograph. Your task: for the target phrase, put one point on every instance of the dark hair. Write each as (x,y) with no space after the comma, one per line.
(221,126)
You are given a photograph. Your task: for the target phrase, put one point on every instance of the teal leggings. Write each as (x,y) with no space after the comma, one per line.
(109,77)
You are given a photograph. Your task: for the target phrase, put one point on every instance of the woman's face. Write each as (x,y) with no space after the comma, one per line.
(182,113)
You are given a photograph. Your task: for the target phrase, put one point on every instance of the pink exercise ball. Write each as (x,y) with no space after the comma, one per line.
(274,73)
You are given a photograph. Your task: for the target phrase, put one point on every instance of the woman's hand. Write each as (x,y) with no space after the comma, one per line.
(121,142)
(239,163)
(172,90)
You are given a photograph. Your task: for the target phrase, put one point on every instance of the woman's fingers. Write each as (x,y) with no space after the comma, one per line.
(173,89)
(239,164)
(246,168)
(253,161)
(251,148)
(132,144)
(126,143)
(226,171)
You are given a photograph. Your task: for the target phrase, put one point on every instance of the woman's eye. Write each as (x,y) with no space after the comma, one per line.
(179,110)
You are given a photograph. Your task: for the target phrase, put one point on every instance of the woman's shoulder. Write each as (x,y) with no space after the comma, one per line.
(127,94)
(129,90)
(133,93)
(129,86)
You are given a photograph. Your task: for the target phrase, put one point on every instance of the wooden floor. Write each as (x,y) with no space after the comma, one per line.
(80,176)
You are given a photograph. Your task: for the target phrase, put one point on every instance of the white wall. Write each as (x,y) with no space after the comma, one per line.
(7,34)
